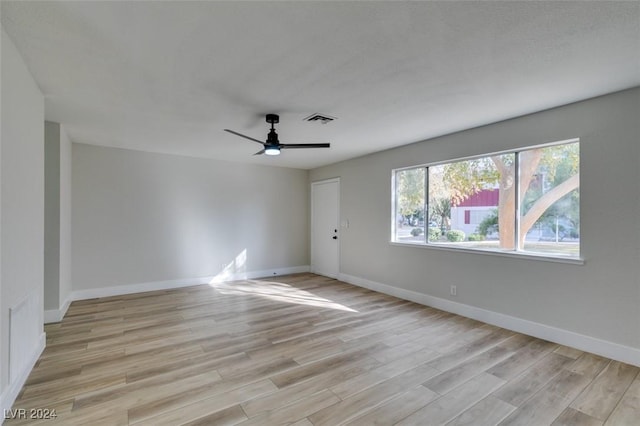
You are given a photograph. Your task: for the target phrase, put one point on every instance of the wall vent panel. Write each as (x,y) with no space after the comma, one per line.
(23,334)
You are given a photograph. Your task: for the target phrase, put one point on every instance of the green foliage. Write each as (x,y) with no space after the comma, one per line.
(465,178)
(440,211)
(416,231)
(475,237)
(558,163)
(434,234)
(410,193)
(455,235)
(489,224)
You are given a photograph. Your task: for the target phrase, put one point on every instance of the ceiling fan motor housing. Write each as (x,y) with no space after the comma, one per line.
(272,138)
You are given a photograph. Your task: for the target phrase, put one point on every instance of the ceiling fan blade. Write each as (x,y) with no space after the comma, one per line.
(259,152)
(244,136)
(304,145)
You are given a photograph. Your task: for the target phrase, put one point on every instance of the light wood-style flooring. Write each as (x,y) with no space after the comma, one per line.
(308,350)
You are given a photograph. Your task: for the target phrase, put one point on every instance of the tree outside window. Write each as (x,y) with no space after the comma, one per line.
(547,200)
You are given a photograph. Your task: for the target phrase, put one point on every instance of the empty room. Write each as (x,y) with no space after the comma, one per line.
(320,213)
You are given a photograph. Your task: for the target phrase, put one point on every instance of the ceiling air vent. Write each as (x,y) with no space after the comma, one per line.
(319,118)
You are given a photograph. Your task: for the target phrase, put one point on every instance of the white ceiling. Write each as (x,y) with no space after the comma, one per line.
(170,76)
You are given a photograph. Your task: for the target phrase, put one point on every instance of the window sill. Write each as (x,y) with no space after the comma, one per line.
(514,254)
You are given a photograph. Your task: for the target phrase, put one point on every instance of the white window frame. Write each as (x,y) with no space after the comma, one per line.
(518,252)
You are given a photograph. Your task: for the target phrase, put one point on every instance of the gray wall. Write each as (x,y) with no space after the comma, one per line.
(600,299)
(22,215)
(51,215)
(57,218)
(142,217)
(65,218)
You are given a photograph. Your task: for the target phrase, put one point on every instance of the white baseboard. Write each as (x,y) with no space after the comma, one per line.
(56,315)
(185,282)
(258,274)
(10,394)
(594,345)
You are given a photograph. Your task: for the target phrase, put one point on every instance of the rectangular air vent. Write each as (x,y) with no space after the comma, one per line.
(320,118)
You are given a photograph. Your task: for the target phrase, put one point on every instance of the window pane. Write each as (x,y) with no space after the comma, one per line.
(474,204)
(469,200)
(409,214)
(550,207)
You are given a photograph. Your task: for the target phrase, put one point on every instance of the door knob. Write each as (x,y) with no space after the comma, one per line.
(335,237)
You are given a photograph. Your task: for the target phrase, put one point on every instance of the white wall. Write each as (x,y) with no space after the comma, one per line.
(596,304)
(148,218)
(22,222)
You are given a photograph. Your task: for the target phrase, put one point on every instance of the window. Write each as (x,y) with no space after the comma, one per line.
(525,201)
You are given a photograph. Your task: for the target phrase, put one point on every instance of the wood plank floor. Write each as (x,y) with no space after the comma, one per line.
(308,350)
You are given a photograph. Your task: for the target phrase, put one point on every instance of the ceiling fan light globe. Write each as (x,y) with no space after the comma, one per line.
(273,150)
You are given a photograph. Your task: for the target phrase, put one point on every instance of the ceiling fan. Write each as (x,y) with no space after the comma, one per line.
(272,146)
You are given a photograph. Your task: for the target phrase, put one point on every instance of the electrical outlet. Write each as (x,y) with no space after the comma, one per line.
(454,290)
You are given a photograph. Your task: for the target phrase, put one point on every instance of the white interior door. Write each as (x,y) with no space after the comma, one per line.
(325,218)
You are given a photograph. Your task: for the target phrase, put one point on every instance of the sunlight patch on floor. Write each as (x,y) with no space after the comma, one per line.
(278,292)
